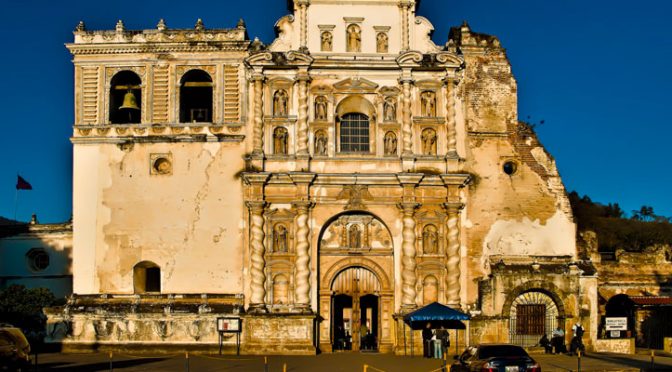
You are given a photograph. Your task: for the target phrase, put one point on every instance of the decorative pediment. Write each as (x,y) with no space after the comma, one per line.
(260,59)
(389,91)
(358,85)
(449,59)
(295,58)
(355,194)
(409,59)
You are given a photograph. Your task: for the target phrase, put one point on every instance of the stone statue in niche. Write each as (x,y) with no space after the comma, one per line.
(280,103)
(321,108)
(354,43)
(428,101)
(390,143)
(280,141)
(430,240)
(320,143)
(428,141)
(381,42)
(280,239)
(390,109)
(326,41)
(355,236)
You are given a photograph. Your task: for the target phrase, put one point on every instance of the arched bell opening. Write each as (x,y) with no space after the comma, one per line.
(125,98)
(196,97)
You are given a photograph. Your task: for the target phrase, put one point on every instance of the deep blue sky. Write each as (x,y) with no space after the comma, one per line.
(597,72)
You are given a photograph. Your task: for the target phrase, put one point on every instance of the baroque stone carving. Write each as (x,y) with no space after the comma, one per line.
(390,144)
(257,275)
(428,141)
(321,108)
(303,256)
(354,39)
(430,240)
(356,194)
(453,255)
(320,143)
(381,42)
(280,135)
(390,109)
(428,102)
(280,103)
(408,264)
(280,238)
(326,39)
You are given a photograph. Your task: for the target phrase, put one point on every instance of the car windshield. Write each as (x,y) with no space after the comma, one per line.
(485,352)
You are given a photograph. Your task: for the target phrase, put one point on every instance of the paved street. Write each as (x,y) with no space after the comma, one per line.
(325,362)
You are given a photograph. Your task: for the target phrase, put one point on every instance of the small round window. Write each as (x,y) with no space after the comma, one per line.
(510,167)
(162,166)
(38,259)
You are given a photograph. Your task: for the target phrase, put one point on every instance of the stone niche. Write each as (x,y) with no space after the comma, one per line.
(265,334)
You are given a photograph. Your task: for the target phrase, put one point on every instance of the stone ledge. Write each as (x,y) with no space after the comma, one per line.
(617,345)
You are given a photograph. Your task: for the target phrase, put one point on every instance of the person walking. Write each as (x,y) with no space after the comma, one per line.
(577,339)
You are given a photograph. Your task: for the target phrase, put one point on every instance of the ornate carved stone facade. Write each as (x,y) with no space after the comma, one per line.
(344,174)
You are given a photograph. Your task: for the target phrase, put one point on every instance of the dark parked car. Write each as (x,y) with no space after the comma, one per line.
(14,349)
(495,358)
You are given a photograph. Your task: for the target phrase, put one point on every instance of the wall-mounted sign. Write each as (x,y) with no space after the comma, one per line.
(225,324)
(616,324)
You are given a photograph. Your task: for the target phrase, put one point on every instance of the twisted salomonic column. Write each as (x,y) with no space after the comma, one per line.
(450,118)
(406,125)
(408,278)
(453,255)
(302,290)
(258,278)
(258,131)
(405,44)
(302,122)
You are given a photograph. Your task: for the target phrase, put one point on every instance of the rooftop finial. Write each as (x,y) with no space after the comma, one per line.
(120,26)
(161,26)
(241,23)
(199,25)
(80,26)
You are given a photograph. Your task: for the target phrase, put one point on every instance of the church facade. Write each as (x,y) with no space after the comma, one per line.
(325,184)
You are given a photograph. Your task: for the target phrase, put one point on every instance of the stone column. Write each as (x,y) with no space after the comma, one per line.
(258,104)
(302,278)
(257,262)
(453,255)
(406,124)
(303,36)
(451,129)
(408,264)
(302,121)
(405,38)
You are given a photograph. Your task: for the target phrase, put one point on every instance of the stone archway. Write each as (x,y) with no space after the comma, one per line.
(344,258)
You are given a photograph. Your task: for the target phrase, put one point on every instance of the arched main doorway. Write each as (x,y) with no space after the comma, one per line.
(355,310)
(356,295)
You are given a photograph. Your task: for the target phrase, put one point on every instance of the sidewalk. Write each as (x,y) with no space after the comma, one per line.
(341,362)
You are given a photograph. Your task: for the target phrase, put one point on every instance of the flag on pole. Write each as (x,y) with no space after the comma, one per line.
(22,184)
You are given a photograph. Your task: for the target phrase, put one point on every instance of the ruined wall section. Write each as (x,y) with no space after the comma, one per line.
(174,219)
(517,210)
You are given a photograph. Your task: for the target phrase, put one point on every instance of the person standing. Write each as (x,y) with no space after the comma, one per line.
(577,339)
(427,340)
(558,340)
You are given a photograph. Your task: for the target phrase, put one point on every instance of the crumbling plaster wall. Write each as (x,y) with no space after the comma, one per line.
(180,221)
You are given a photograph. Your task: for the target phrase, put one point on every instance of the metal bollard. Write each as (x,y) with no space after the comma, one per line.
(284,367)
(366,368)
(265,364)
(653,364)
(110,361)
(578,352)
(186,361)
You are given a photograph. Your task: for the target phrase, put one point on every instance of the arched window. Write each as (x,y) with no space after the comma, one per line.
(280,290)
(196,97)
(146,277)
(354,133)
(430,290)
(125,98)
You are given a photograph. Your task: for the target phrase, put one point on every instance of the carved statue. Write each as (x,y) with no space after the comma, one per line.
(429,142)
(280,239)
(381,42)
(321,108)
(326,38)
(355,236)
(280,141)
(430,240)
(390,143)
(280,103)
(390,109)
(428,100)
(354,39)
(320,143)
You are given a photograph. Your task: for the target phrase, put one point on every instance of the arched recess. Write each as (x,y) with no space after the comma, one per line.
(196,97)
(125,98)
(355,104)
(146,277)
(533,309)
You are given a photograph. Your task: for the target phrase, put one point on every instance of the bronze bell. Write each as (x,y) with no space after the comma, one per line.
(130,102)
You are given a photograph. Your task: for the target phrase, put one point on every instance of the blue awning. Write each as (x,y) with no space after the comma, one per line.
(438,315)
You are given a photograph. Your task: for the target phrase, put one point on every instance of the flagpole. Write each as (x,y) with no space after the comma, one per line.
(16,202)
